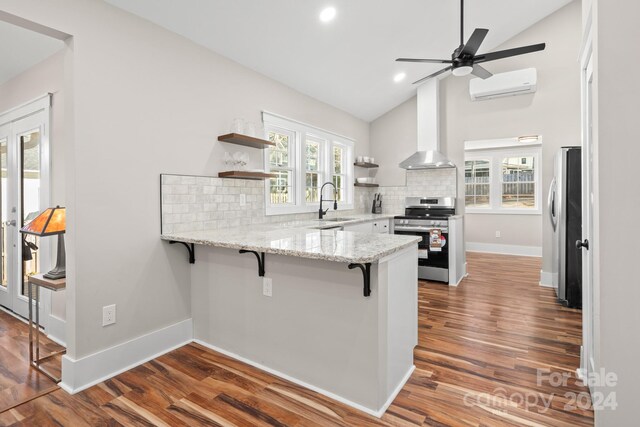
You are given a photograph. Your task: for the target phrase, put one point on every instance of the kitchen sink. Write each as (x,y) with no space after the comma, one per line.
(337,219)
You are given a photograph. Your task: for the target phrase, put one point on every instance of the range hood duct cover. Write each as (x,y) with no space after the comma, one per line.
(428,155)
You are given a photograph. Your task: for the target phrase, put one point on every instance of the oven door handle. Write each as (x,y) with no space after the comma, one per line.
(421,229)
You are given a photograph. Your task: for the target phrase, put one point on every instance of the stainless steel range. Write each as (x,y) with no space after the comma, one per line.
(428,217)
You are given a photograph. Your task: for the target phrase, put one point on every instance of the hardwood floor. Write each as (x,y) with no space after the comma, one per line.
(19,383)
(480,346)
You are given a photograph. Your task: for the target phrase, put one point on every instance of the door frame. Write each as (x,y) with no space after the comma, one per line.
(42,104)
(588,350)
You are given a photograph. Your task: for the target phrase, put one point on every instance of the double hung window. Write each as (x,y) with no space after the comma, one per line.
(302,160)
(502,176)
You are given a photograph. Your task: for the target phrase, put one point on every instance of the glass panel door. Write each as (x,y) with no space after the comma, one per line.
(24,192)
(30,200)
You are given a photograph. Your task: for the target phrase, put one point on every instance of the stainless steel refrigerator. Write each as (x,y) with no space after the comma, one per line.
(565,210)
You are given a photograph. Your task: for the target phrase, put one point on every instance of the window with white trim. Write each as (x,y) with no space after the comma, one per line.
(303,159)
(314,177)
(477,179)
(282,164)
(503,176)
(340,168)
(518,182)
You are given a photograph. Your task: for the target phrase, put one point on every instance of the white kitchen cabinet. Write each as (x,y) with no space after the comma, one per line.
(382,226)
(377,226)
(360,227)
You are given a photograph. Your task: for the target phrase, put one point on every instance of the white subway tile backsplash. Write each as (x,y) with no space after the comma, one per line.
(191,203)
(171,179)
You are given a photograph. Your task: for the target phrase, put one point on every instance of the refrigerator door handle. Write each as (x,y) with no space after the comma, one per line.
(553,209)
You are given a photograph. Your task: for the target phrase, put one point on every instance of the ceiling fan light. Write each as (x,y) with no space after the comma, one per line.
(464,70)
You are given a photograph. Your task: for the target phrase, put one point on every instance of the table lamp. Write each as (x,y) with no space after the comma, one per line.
(49,223)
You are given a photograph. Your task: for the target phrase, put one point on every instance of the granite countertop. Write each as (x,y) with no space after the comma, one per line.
(304,239)
(329,221)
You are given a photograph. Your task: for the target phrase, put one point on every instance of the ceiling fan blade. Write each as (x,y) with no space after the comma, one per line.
(432,61)
(481,72)
(437,73)
(509,52)
(474,42)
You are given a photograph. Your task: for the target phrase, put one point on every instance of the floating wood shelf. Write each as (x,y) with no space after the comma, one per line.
(357,184)
(246,140)
(245,175)
(365,165)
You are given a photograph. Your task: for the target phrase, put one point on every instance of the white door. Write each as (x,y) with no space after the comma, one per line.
(24,156)
(588,312)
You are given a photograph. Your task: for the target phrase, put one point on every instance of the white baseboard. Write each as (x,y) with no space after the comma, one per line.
(80,374)
(90,370)
(56,331)
(375,412)
(533,251)
(546,280)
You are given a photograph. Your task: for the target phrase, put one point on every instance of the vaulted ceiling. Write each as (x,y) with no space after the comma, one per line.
(348,62)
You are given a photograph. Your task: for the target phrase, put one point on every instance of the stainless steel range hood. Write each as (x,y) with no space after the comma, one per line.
(427,160)
(428,155)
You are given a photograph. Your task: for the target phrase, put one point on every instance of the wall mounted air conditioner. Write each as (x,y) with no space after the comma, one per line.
(519,82)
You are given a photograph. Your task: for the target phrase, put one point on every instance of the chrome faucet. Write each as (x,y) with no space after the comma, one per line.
(322,213)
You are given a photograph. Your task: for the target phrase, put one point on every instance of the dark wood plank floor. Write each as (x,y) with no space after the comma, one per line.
(479,348)
(18,382)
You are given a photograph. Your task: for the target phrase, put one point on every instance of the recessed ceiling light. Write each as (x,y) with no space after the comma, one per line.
(399,77)
(328,14)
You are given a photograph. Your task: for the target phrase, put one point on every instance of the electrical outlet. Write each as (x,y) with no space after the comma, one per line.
(267,287)
(108,315)
(497,234)
(243,199)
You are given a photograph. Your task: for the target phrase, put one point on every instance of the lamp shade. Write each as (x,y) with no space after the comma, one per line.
(50,222)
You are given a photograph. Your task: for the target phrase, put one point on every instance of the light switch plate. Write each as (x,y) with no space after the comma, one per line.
(497,234)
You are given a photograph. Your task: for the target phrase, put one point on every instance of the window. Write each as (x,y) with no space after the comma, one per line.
(339,174)
(502,176)
(303,159)
(477,183)
(518,182)
(313,161)
(281,164)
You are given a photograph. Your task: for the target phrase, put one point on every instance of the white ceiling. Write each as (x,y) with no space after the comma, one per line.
(348,63)
(21,49)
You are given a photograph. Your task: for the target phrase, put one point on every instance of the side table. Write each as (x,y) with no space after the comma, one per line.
(35,283)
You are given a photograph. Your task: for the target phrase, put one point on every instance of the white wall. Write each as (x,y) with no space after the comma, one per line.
(616,150)
(42,78)
(145,101)
(394,137)
(554,112)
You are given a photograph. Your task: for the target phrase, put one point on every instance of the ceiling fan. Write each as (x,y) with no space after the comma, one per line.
(464,60)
